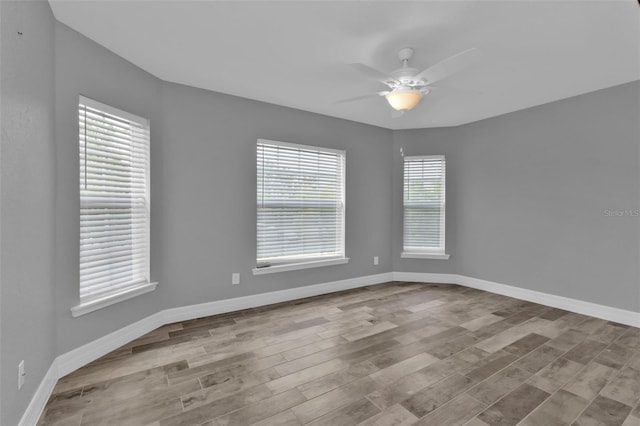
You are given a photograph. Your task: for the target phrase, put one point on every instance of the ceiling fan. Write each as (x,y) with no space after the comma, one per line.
(408,85)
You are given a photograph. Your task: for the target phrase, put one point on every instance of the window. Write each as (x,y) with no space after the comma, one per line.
(114,204)
(300,203)
(424,207)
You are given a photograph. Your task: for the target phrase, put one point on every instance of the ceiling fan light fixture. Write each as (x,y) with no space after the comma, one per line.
(403,99)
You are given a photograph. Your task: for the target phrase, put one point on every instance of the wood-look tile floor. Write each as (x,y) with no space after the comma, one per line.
(390,354)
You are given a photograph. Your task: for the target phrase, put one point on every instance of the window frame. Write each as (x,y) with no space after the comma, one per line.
(412,252)
(303,262)
(121,292)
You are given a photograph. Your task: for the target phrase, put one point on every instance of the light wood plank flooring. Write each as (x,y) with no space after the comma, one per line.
(390,354)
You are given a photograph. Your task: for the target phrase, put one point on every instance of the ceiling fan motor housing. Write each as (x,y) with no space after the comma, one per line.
(405,74)
(405,54)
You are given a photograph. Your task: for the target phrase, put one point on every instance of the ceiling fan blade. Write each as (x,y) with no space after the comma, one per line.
(372,73)
(357,98)
(397,114)
(449,66)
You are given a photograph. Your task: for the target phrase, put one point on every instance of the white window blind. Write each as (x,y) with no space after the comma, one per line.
(114,200)
(424,204)
(300,203)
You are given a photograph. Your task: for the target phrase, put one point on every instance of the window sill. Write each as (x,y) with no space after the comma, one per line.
(302,265)
(94,305)
(409,255)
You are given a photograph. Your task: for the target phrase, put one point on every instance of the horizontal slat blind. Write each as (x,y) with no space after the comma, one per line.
(424,204)
(114,200)
(300,202)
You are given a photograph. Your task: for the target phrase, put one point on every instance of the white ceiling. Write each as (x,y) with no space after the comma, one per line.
(295,53)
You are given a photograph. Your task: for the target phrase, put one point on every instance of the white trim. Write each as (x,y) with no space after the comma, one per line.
(103,302)
(414,255)
(92,294)
(424,157)
(301,265)
(596,310)
(341,152)
(263,145)
(76,358)
(443,207)
(423,277)
(92,103)
(40,397)
(608,313)
(262,299)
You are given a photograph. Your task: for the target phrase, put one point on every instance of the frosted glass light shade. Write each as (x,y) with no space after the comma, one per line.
(403,99)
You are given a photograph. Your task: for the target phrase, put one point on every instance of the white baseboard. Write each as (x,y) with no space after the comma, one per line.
(229,305)
(40,398)
(608,313)
(424,277)
(76,358)
(83,355)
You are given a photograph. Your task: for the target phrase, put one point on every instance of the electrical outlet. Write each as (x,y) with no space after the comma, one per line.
(235,278)
(21,374)
(375,260)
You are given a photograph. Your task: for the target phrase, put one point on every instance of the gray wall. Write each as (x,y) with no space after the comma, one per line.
(207,207)
(528,194)
(84,67)
(203,175)
(27,196)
